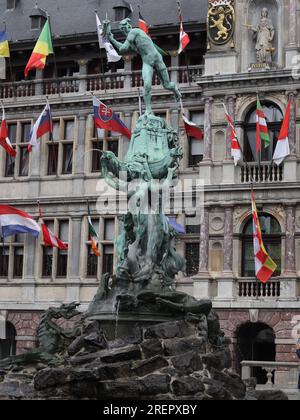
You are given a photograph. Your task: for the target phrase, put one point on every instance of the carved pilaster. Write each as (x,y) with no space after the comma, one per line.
(228,241)
(290,263)
(207,128)
(293,126)
(293,23)
(204,244)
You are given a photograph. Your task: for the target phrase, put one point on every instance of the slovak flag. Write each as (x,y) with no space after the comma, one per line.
(106,119)
(4,139)
(283,147)
(184,38)
(42,126)
(14,222)
(50,239)
(192,130)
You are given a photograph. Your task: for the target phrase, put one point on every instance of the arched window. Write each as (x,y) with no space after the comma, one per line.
(271,233)
(8,345)
(274,118)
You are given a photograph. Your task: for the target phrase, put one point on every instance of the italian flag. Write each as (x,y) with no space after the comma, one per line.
(42,49)
(93,238)
(262,132)
(264,265)
(283,147)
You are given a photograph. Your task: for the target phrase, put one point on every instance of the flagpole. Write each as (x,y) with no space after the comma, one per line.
(101,58)
(54,56)
(10,66)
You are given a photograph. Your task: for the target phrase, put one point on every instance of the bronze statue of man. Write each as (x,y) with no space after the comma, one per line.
(138,41)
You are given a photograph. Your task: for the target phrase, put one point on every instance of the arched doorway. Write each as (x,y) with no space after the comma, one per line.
(8,346)
(256,342)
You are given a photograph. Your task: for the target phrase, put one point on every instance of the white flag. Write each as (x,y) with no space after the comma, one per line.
(112,55)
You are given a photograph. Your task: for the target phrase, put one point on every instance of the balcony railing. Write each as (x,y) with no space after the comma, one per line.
(280,375)
(265,172)
(254,289)
(92,83)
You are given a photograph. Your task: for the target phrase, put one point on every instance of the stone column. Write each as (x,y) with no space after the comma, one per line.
(80,147)
(204,244)
(28,287)
(292,48)
(127,69)
(175,66)
(228,241)
(293,23)
(290,164)
(293,126)
(83,71)
(230,105)
(39,76)
(207,129)
(73,286)
(290,254)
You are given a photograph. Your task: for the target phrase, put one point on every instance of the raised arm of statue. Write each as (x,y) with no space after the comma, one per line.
(123,48)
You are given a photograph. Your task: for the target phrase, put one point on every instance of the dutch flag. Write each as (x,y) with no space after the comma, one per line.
(14,221)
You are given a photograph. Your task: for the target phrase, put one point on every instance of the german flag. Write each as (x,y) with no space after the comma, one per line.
(42,49)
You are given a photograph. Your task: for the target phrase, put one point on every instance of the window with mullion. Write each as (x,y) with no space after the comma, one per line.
(105,141)
(62,257)
(4,261)
(18,261)
(9,160)
(92,259)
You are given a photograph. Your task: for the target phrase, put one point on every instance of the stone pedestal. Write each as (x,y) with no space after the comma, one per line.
(229,172)
(221,63)
(290,170)
(226,289)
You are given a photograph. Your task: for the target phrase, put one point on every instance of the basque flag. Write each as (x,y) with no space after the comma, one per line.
(42,126)
(106,119)
(4,139)
(14,222)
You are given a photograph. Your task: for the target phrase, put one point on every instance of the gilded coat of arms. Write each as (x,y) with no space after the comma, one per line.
(220,21)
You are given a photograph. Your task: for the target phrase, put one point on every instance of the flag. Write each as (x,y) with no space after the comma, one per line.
(42,49)
(4,139)
(184,38)
(106,119)
(192,130)
(236,152)
(264,265)
(283,147)
(93,238)
(14,222)
(176,226)
(42,126)
(112,55)
(50,240)
(262,132)
(4,47)
(143,25)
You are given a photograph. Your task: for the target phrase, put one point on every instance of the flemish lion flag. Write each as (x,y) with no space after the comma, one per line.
(4,47)
(262,132)
(93,238)
(42,49)
(265,267)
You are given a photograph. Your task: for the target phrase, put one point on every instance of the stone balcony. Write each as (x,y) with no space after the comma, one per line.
(120,81)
